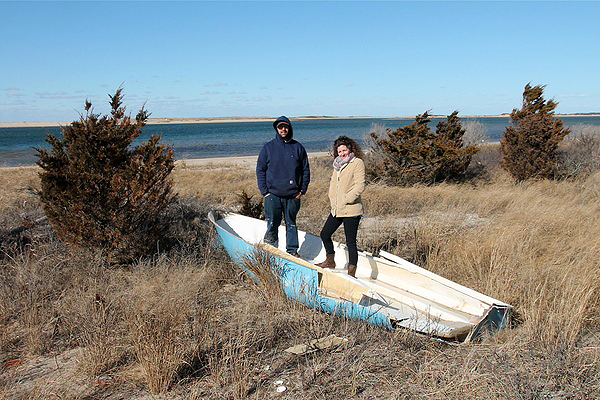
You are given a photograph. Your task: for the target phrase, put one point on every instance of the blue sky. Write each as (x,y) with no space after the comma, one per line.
(202,59)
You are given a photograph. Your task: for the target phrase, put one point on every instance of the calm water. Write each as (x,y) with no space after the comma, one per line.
(223,139)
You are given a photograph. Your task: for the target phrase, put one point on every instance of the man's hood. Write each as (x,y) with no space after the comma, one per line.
(287,121)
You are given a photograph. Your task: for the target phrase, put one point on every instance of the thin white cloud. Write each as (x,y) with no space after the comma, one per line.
(348,84)
(14,103)
(208,92)
(55,95)
(573,95)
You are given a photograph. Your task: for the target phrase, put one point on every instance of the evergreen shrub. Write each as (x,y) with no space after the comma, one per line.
(414,154)
(529,145)
(99,191)
(250,208)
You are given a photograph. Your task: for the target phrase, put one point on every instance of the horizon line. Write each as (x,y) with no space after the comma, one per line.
(233,119)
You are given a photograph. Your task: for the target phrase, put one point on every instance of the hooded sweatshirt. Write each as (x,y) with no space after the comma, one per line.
(282,167)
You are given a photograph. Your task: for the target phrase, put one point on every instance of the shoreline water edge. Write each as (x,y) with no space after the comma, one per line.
(216,138)
(193,163)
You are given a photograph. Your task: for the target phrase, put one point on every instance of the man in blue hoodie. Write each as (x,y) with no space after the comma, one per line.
(283,174)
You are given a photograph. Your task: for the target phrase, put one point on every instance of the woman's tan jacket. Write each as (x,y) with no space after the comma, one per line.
(345,189)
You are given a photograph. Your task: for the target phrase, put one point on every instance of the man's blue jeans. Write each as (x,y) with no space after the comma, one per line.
(275,208)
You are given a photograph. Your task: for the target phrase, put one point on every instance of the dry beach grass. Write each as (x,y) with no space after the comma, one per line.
(188,325)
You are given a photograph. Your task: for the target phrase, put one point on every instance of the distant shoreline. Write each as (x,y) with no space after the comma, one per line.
(167,121)
(200,120)
(212,162)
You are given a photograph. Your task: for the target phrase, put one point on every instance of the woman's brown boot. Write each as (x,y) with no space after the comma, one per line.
(328,263)
(352,270)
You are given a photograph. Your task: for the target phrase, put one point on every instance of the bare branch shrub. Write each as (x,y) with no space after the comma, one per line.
(475,133)
(485,164)
(370,143)
(579,153)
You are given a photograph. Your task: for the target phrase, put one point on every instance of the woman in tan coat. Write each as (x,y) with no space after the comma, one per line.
(345,189)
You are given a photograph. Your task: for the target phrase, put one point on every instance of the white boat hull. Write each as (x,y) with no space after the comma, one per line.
(387,290)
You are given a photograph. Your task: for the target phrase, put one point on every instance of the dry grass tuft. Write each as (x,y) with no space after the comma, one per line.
(267,271)
(18,184)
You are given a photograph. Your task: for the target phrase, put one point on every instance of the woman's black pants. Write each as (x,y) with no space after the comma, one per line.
(350,230)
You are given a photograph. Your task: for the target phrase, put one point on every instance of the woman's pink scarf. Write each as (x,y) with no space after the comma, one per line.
(340,162)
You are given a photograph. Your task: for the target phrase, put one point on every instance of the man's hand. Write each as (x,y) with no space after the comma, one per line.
(298,195)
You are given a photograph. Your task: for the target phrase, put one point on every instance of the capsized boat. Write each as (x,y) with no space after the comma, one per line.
(387,291)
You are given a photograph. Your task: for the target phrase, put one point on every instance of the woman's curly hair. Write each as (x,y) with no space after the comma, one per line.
(350,144)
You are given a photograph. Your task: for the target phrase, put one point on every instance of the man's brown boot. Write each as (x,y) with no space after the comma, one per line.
(352,270)
(329,262)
